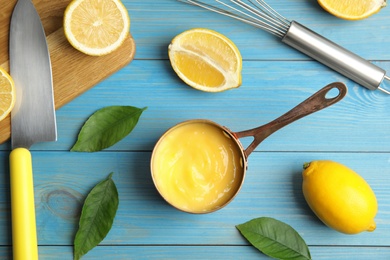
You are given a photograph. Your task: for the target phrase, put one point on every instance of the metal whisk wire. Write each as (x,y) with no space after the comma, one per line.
(259,14)
(256,13)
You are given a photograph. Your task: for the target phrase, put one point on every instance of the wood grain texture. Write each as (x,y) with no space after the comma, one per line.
(275,79)
(272,188)
(367,37)
(199,252)
(73,72)
(269,89)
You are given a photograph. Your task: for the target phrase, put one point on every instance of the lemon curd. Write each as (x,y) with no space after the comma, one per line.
(197,167)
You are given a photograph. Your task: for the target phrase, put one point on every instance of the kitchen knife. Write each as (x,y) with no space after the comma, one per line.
(32,119)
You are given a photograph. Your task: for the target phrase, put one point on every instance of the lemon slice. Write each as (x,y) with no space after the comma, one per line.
(206,60)
(7,94)
(96,27)
(352,9)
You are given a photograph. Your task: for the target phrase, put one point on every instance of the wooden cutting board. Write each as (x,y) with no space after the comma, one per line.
(73,71)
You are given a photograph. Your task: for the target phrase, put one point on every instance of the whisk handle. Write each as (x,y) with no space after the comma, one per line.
(334,56)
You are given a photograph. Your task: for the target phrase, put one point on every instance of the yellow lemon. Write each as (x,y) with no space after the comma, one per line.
(96,27)
(340,197)
(352,9)
(206,60)
(7,94)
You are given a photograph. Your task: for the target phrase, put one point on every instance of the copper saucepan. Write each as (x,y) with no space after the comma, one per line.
(199,166)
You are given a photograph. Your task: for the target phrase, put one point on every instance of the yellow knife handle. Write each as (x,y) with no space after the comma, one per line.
(24,234)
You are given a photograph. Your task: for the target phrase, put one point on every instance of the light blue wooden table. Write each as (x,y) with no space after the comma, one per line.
(354,132)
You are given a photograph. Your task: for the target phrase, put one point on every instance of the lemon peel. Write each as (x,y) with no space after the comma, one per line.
(352,9)
(339,197)
(206,60)
(7,94)
(96,27)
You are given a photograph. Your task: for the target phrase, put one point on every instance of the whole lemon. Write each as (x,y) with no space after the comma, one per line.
(339,197)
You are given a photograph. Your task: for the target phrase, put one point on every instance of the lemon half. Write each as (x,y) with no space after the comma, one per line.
(7,94)
(206,60)
(352,9)
(96,27)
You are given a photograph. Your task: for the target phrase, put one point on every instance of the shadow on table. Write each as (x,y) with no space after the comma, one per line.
(6,210)
(141,182)
(300,199)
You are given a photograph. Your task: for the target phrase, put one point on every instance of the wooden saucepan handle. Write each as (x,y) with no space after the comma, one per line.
(315,103)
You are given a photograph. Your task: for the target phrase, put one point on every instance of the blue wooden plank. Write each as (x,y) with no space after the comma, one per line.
(275,78)
(200,252)
(272,188)
(154,27)
(359,123)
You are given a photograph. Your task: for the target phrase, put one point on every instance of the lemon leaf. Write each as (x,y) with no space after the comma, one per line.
(97,216)
(106,127)
(275,238)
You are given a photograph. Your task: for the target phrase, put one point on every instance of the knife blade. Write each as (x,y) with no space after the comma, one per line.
(32,119)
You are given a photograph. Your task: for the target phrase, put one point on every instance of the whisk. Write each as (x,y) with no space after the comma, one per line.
(261,15)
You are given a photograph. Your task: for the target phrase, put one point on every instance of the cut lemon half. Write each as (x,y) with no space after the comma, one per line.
(206,60)
(96,27)
(7,94)
(352,9)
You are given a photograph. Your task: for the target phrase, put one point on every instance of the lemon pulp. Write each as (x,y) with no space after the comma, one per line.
(7,94)
(206,60)
(96,27)
(352,9)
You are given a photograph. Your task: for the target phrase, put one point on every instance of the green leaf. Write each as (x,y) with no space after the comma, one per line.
(106,127)
(97,216)
(275,238)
